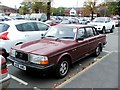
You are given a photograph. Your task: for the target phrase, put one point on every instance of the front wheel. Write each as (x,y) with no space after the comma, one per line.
(111,30)
(62,68)
(97,51)
(103,30)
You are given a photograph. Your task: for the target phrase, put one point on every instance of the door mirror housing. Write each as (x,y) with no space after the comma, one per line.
(42,35)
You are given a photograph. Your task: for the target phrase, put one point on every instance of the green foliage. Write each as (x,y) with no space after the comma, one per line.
(58,11)
(113,8)
(39,7)
(34,6)
(91,6)
(106,8)
(24,9)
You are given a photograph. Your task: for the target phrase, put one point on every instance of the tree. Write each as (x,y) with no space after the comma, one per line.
(91,6)
(58,11)
(103,10)
(36,6)
(24,8)
(114,7)
(48,9)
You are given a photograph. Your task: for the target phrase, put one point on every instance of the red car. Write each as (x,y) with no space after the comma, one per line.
(60,47)
(117,21)
(52,22)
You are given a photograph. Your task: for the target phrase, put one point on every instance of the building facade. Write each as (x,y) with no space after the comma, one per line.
(78,12)
(67,11)
(7,10)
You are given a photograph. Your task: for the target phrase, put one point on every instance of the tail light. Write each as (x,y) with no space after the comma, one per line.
(4,66)
(4,36)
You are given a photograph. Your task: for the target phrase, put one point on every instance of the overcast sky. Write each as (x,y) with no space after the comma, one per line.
(56,3)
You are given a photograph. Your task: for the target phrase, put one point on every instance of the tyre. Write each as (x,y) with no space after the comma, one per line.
(62,68)
(103,30)
(97,50)
(111,30)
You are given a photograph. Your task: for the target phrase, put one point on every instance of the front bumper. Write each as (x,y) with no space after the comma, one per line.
(99,28)
(31,66)
(5,81)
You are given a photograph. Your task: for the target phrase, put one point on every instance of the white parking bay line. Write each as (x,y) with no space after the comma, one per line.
(79,73)
(19,80)
(106,51)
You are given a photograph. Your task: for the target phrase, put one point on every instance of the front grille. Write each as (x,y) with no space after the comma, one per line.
(22,56)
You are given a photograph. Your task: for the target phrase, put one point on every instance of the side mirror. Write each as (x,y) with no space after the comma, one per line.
(42,36)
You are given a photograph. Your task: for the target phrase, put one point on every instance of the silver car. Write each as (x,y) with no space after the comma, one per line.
(4,76)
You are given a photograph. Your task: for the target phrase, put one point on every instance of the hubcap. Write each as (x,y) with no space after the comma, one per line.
(64,68)
(97,51)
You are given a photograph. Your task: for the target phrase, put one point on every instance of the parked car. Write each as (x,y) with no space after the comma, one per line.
(1,18)
(4,76)
(74,20)
(117,21)
(19,31)
(83,20)
(16,16)
(61,46)
(103,24)
(52,22)
(38,16)
(66,22)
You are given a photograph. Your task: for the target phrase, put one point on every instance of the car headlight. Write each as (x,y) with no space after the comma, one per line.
(37,59)
(12,52)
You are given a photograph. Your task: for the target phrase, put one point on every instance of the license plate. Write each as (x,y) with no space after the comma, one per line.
(19,66)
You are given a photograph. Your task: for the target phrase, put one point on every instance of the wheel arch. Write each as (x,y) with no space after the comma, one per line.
(101,45)
(65,55)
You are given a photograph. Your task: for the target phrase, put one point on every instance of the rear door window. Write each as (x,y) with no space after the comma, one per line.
(90,32)
(29,26)
(3,27)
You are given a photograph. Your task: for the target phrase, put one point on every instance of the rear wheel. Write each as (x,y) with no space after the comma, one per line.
(62,68)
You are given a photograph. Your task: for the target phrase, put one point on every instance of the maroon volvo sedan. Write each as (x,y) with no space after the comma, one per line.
(60,47)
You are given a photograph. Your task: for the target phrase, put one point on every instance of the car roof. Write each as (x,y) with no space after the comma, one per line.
(73,25)
(102,17)
(15,22)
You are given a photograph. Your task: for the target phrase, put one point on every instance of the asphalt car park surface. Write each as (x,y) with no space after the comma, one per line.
(21,79)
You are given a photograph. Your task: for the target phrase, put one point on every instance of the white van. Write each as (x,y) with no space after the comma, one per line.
(38,16)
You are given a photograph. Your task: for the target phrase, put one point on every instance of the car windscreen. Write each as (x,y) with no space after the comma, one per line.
(65,22)
(61,32)
(99,19)
(3,27)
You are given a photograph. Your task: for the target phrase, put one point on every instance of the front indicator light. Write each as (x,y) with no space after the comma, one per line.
(44,62)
